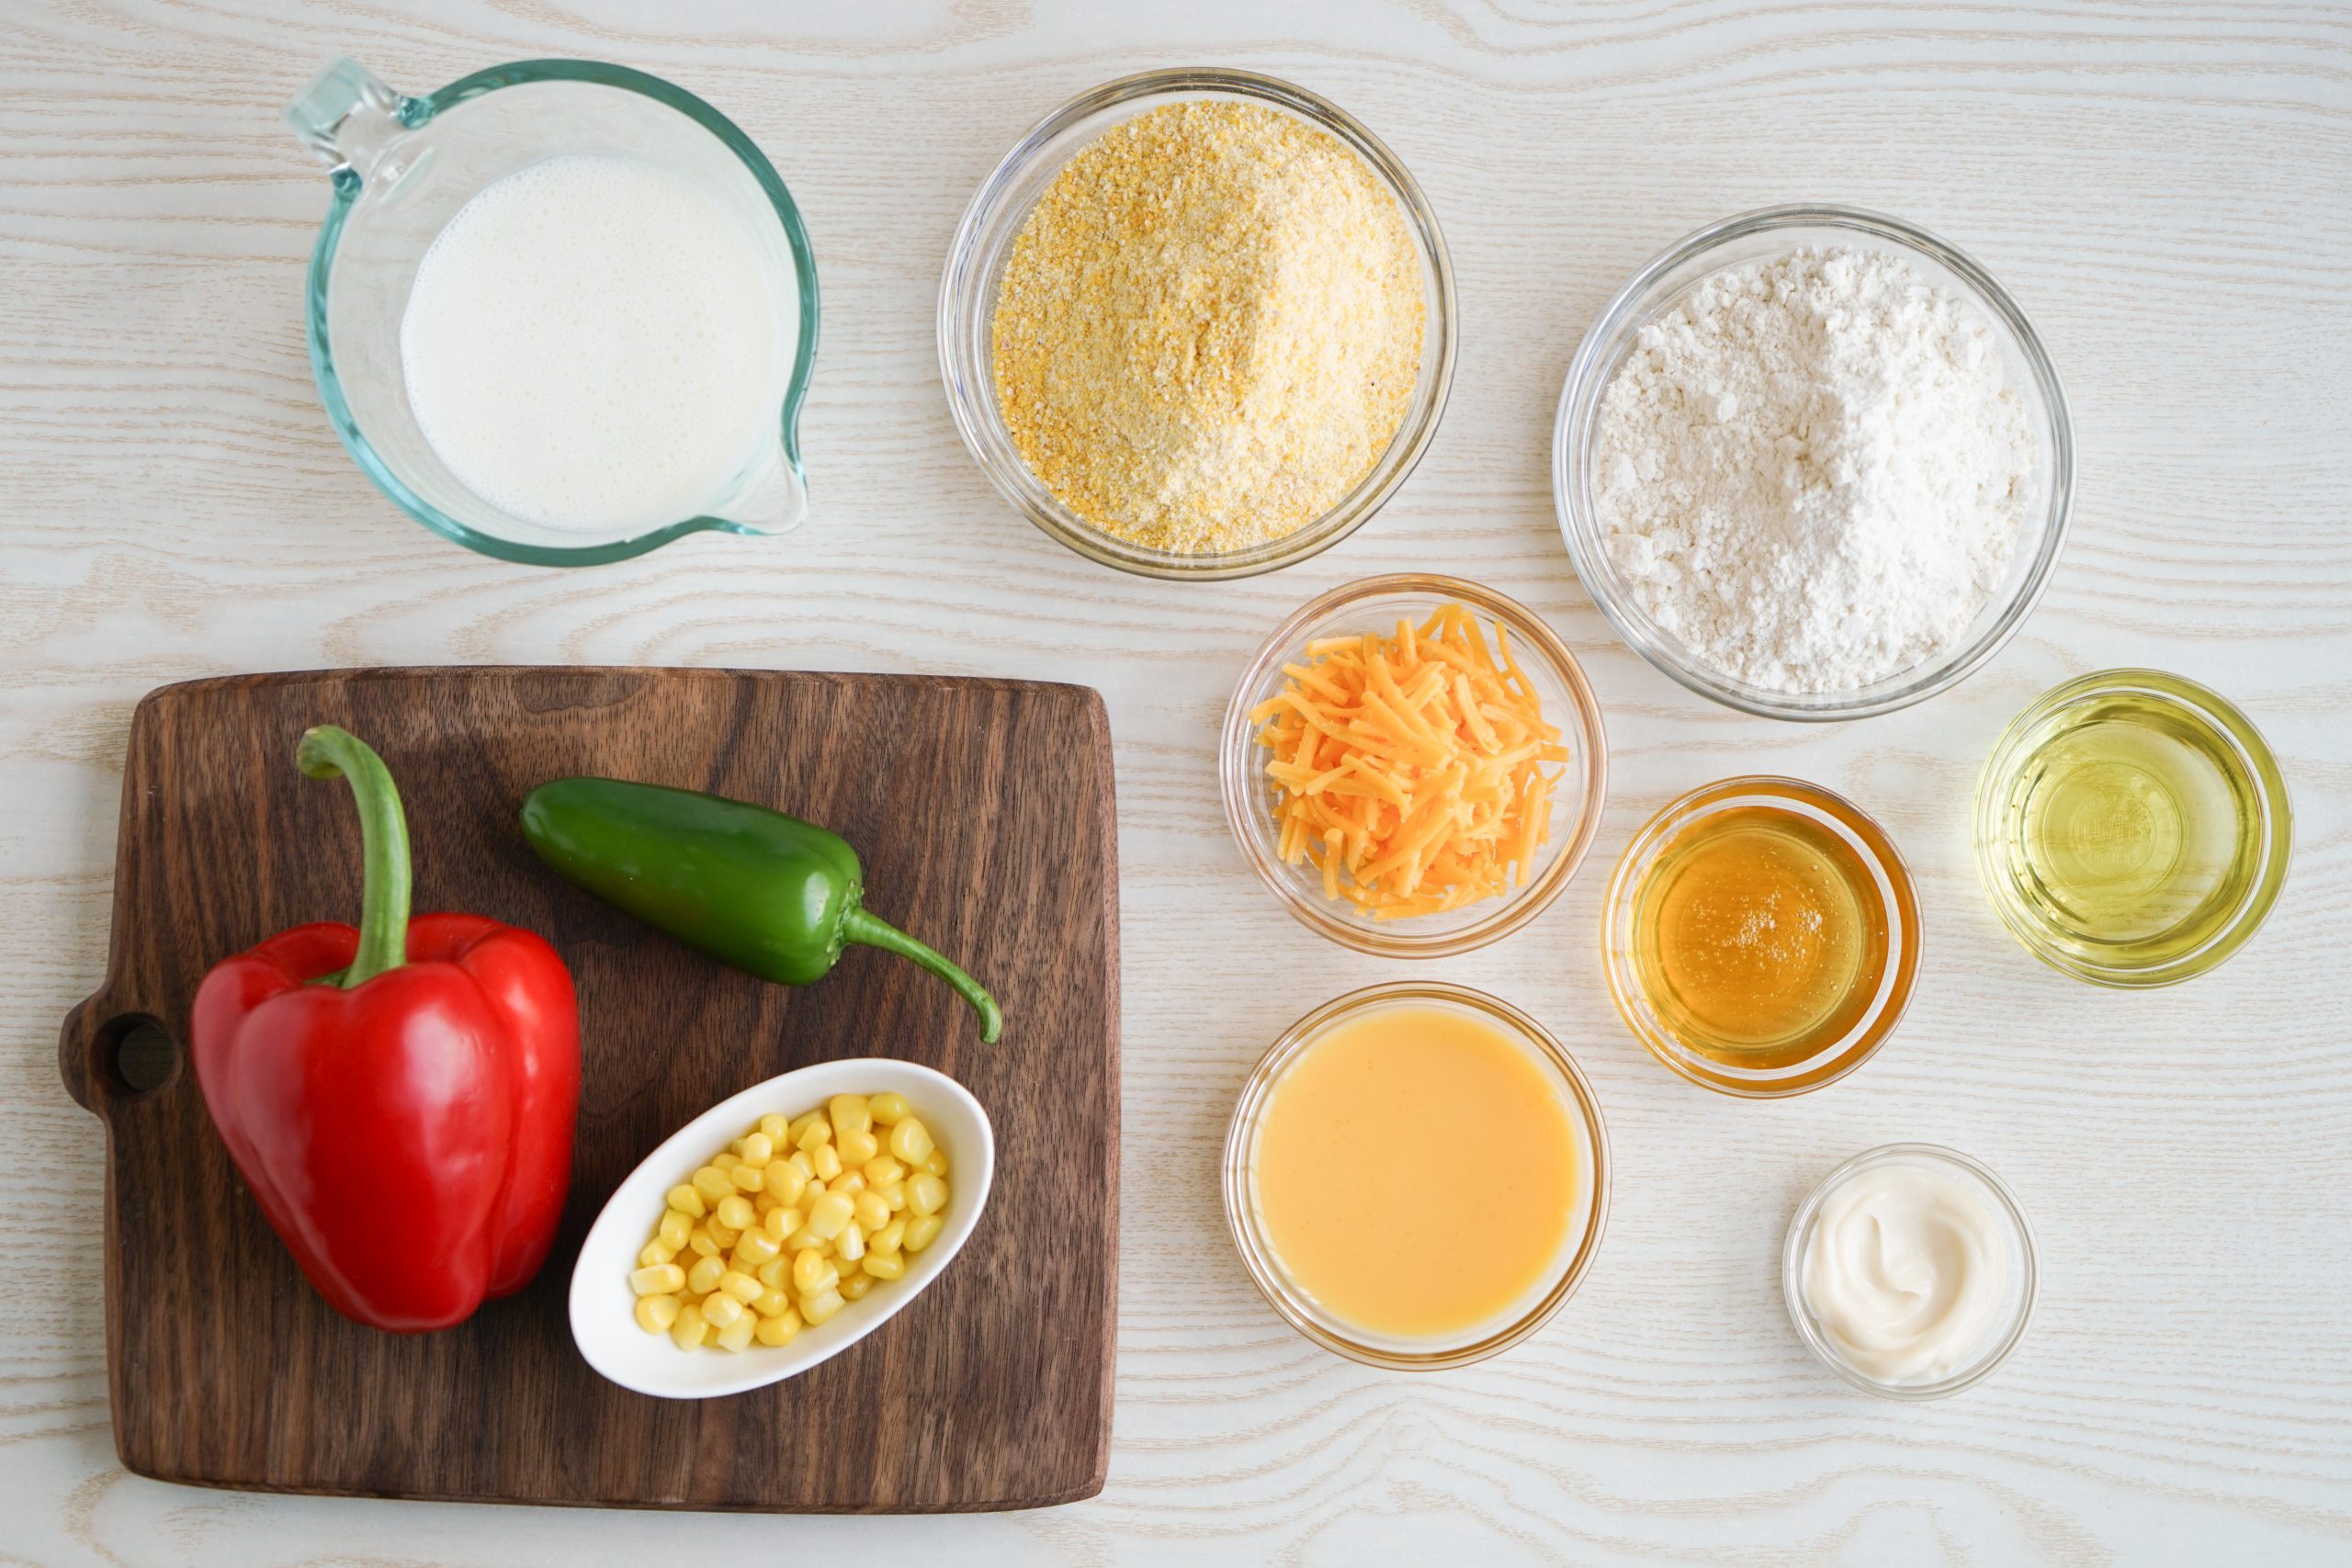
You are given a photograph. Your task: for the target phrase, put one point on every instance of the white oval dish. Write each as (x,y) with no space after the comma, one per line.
(603,1323)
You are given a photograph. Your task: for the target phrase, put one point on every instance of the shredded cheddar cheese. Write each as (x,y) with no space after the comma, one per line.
(1411,770)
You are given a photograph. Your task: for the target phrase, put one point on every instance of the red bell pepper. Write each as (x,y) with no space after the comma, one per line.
(399,1097)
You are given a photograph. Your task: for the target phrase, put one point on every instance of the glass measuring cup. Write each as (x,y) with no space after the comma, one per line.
(402,166)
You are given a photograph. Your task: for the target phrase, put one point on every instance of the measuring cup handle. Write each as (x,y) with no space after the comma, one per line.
(348,120)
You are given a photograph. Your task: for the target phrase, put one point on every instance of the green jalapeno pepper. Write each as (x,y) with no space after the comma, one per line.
(754,889)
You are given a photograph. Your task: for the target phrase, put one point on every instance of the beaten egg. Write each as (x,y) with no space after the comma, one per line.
(1416,1173)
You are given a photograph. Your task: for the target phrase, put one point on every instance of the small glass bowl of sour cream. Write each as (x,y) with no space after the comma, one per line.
(1910,1271)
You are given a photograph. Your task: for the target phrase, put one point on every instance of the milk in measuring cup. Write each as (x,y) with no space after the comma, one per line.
(594,343)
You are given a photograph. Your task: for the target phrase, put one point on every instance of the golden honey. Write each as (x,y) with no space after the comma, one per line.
(1758,936)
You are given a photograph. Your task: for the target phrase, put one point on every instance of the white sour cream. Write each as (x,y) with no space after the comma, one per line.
(1904,1271)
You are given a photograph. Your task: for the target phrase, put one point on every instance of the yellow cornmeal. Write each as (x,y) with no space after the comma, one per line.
(1209,328)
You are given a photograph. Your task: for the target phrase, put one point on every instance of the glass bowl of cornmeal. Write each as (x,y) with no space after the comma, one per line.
(1761,936)
(1417,1176)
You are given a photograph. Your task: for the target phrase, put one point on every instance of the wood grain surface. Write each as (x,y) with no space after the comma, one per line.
(228,1370)
(2167,188)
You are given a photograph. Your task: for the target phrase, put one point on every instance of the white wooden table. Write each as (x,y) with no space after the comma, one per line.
(2168,192)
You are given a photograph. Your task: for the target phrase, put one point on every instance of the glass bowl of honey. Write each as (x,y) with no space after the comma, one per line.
(1761,936)
(1443,1257)
(2132,828)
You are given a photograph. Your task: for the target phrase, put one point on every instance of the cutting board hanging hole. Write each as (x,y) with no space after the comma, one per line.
(139,1057)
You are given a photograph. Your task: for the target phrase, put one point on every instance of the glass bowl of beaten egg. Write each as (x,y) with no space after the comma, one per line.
(973,282)
(1572,807)
(1761,936)
(1364,1164)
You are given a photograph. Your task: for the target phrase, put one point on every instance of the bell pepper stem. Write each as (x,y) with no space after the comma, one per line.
(327,752)
(875,931)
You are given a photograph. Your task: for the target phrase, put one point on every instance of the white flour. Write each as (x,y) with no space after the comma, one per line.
(1813,470)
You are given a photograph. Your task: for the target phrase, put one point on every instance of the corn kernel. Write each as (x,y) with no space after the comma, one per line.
(811,1275)
(657,1279)
(828,1214)
(688,1330)
(910,1141)
(926,1194)
(796,1218)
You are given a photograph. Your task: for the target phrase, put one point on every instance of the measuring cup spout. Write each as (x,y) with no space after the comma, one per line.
(349,120)
(773,499)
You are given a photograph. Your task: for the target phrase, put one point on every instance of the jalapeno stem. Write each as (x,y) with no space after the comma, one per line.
(327,752)
(875,931)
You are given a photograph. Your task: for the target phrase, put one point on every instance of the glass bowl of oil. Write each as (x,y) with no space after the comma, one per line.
(2132,828)
(1761,936)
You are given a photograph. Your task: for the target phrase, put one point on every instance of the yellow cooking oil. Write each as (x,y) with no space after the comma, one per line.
(2129,827)
(1758,936)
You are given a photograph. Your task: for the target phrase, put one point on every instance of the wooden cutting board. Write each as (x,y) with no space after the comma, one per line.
(983,812)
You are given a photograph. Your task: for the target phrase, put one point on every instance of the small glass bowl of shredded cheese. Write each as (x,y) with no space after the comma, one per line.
(1229,355)
(1414,765)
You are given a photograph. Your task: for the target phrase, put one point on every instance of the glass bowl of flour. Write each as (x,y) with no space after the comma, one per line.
(1813,463)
